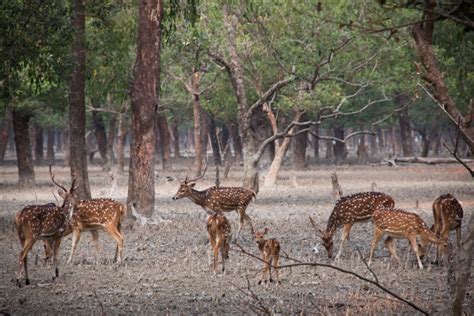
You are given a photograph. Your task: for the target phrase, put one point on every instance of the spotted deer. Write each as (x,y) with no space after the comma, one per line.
(270,250)
(219,233)
(348,210)
(447,214)
(94,215)
(44,222)
(218,199)
(397,223)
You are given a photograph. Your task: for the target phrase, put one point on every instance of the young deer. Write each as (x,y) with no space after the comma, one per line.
(398,223)
(44,222)
(95,214)
(219,233)
(447,214)
(270,250)
(218,199)
(348,210)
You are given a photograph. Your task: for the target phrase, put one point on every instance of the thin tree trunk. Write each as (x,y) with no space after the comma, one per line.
(146,76)
(165,141)
(340,150)
(77,110)
(404,123)
(175,133)
(121,138)
(236,142)
(5,133)
(373,146)
(214,141)
(100,135)
(50,146)
(198,151)
(110,142)
(26,173)
(300,144)
(315,130)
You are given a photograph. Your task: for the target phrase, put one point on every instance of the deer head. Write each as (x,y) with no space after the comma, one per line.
(70,198)
(326,238)
(259,236)
(186,187)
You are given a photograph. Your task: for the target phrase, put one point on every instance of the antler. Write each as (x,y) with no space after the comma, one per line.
(316,228)
(54,181)
(199,177)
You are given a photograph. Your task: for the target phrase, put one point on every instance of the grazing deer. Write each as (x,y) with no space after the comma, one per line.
(270,250)
(44,222)
(219,233)
(398,223)
(92,215)
(447,214)
(218,199)
(348,210)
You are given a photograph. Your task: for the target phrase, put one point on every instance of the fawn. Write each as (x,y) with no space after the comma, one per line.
(398,223)
(270,250)
(44,222)
(348,210)
(447,214)
(218,199)
(219,233)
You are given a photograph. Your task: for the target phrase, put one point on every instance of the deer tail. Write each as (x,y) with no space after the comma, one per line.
(18,226)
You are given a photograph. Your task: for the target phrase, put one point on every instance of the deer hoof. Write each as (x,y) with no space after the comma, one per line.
(279,282)
(259,282)
(18,283)
(27,281)
(271,280)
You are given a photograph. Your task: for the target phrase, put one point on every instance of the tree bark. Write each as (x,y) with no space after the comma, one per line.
(315,130)
(300,144)
(5,133)
(198,151)
(165,141)
(77,110)
(110,143)
(404,123)
(214,141)
(236,142)
(340,151)
(146,76)
(100,135)
(39,145)
(121,138)
(26,173)
(423,35)
(50,146)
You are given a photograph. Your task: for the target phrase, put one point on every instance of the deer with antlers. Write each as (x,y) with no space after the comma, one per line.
(218,199)
(397,223)
(348,210)
(219,233)
(44,222)
(447,214)
(270,250)
(94,215)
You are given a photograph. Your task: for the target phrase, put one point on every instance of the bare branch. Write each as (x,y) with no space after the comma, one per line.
(269,93)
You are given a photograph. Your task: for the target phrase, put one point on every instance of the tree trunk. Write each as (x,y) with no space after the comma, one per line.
(374,151)
(236,142)
(100,134)
(340,151)
(300,144)
(214,141)
(39,145)
(67,152)
(5,133)
(362,154)
(315,130)
(165,141)
(175,133)
(26,173)
(110,142)
(423,34)
(77,110)
(50,146)
(146,76)
(404,123)
(121,138)
(198,151)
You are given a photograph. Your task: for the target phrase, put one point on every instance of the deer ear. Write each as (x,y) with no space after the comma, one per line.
(192,185)
(266,230)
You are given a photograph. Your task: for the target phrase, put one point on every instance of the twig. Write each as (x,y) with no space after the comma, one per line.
(367,266)
(261,307)
(314,264)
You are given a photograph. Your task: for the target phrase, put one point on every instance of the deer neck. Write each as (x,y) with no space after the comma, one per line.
(332,225)
(198,197)
(429,235)
(261,244)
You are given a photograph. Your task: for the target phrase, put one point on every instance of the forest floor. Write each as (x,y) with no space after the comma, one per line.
(166,268)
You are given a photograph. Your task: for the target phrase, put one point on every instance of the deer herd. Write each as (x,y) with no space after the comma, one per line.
(50,223)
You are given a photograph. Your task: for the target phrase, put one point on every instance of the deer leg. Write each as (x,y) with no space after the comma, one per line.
(23,260)
(414,246)
(224,253)
(265,267)
(216,249)
(378,234)
(76,235)
(56,244)
(113,231)
(345,235)
(390,244)
(48,249)
(276,259)
(95,239)
(270,263)
(458,236)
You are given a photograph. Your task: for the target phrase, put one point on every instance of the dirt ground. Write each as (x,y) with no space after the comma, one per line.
(166,268)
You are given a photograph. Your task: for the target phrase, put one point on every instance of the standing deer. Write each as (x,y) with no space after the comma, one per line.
(270,250)
(447,214)
(218,199)
(92,215)
(348,210)
(219,233)
(398,223)
(44,222)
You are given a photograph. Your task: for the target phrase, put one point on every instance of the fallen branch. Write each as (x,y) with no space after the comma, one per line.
(430,161)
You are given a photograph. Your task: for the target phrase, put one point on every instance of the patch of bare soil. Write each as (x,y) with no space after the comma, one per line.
(166,267)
